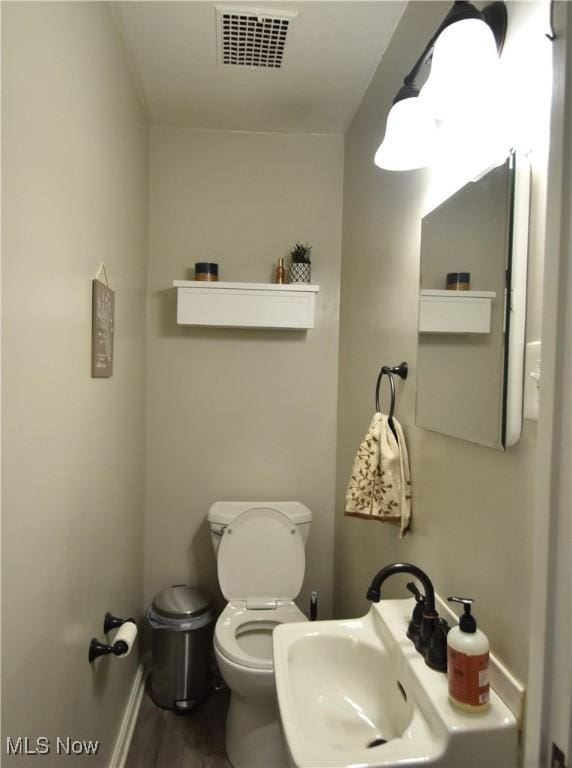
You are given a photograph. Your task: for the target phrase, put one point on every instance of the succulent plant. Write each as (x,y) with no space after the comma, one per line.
(300,253)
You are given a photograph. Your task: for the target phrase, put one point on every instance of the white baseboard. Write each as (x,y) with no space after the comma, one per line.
(127,727)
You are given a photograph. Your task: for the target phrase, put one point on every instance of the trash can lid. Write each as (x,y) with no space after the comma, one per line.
(182,602)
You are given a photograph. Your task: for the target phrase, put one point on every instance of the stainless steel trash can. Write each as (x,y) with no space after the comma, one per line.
(181,620)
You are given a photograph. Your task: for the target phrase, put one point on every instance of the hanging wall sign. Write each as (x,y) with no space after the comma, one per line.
(103,315)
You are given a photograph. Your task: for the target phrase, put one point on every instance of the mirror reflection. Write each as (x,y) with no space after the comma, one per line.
(463,322)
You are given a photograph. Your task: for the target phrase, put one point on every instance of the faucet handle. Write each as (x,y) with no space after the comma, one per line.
(414,627)
(412,587)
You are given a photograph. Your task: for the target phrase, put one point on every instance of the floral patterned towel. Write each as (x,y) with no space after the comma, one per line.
(380,484)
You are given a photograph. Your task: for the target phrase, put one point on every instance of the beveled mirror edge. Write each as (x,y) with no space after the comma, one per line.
(517,305)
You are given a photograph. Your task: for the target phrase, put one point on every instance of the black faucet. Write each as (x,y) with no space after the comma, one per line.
(421,637)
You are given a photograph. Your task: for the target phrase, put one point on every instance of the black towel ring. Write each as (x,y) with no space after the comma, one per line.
(401,371)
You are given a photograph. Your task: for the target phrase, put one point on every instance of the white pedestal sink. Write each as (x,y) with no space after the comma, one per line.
(356,693)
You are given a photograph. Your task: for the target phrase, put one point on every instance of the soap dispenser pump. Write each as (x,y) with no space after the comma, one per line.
(468,661)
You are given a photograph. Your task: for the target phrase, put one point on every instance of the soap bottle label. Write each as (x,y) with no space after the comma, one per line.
(468,677)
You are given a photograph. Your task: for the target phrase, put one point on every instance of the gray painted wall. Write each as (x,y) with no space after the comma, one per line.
(75,161)
(239,414)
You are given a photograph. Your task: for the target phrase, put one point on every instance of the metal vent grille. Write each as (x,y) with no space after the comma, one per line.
(253,38)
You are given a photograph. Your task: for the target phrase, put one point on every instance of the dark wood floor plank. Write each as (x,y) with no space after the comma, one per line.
(162,739)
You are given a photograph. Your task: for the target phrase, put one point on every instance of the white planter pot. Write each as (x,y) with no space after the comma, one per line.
(299,272)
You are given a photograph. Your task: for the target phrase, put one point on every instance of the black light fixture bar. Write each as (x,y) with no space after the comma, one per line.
(494,15)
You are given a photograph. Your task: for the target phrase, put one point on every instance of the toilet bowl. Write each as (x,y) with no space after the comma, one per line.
(260,562)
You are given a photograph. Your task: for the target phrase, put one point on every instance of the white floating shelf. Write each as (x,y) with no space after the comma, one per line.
(246,305)
(455,311)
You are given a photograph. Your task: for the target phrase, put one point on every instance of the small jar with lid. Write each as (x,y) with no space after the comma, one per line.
(206,270)
(458,281)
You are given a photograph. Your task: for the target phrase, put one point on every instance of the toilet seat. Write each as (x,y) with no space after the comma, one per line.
(261,558)
(236,616)
(260,566)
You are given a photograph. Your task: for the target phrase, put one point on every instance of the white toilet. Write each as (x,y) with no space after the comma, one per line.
(260,559)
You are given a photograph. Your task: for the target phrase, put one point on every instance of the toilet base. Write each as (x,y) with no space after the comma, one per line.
(254,735)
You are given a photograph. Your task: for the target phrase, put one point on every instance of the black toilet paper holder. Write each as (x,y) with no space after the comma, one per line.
(112,622)
(119,648)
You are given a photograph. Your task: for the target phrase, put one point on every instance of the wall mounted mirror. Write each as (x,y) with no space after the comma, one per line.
(470,349)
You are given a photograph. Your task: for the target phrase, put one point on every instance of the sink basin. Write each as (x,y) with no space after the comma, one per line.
(357,693)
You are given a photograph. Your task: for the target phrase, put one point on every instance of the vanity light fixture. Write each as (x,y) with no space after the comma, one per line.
(463,53)
(410,135)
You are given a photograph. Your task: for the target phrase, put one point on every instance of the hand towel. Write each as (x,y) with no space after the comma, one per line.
(380,483)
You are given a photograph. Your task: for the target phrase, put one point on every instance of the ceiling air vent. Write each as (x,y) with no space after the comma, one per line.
(252,37)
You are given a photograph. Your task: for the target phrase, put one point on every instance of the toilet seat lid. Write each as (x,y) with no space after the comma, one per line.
(261,556)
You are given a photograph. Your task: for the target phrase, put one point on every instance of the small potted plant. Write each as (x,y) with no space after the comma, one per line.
(300,267)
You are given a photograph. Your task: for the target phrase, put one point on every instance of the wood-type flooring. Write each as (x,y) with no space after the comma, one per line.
(162,739)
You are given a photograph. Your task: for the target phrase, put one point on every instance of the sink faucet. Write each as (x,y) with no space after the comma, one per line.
(430,616)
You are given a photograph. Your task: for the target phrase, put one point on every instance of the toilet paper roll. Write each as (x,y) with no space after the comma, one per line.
(125,634)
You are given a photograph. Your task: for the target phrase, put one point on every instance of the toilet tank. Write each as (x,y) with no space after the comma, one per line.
(222,513)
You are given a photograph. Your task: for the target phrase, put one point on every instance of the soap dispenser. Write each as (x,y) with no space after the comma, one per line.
(468,661)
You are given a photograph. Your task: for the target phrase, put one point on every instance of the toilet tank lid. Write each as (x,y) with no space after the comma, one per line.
(225,511)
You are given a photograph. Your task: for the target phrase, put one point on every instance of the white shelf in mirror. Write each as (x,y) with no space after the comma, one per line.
(444,311)
(246,305)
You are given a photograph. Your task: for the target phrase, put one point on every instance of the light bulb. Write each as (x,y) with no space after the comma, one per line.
(410,137)
(463,67)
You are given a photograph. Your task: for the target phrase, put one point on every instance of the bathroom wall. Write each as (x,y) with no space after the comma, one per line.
(239,414)
(472,505)
(75,175)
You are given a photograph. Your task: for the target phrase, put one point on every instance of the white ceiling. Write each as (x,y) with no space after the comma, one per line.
(332,52)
